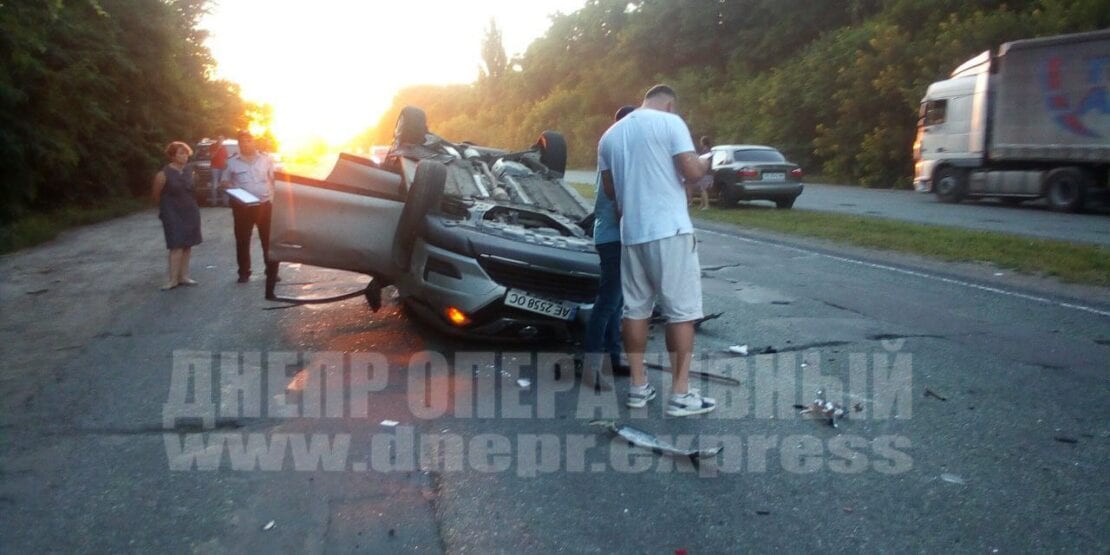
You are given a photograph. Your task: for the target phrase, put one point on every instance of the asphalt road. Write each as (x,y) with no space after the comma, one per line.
(1032,218)
(1010,453)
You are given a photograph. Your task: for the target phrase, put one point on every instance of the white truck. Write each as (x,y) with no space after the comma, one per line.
(1031,121)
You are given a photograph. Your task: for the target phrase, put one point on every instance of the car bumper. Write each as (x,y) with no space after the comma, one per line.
(922,169)
(459,281)
(767,191)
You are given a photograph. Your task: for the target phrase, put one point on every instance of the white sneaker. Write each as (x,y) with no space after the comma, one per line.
(690,404)
(639,398)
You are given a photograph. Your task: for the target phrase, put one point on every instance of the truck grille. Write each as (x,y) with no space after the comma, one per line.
(542,281)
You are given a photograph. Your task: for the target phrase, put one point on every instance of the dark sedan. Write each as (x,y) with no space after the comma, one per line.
(754,172)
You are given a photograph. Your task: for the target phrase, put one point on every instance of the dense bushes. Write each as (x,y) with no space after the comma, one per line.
(835,84)
(92,90)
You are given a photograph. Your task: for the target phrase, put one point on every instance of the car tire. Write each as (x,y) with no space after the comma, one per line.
(425,193)
(553,151)
(785,203)
(1065,189)
(1011,201)
(950,184)
(412,126)
(725,182)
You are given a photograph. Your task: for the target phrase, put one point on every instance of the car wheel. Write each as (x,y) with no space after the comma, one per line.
(424,194)
(1066,189)
(950,184)
(553,151)
(725,182)
(785,203)
(412,126)
(1011,201)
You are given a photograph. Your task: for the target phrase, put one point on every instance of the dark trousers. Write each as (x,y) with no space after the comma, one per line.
(603,330)
(246,218)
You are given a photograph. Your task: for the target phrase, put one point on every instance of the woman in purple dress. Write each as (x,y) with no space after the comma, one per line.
(178,210)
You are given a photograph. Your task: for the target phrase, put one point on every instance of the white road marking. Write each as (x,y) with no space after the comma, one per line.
(923,275)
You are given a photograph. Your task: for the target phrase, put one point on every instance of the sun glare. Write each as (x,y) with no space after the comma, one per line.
(330,68)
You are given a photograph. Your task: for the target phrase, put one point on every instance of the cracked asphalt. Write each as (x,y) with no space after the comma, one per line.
(1012,459)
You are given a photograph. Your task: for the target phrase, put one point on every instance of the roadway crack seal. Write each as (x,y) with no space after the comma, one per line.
(156,429)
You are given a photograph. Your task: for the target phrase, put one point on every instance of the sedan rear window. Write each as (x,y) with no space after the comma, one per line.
(757,155)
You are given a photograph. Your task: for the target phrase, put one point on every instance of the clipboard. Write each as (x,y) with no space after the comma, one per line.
(242,196)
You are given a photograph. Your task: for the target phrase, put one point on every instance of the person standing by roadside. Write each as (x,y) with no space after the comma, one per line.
(701,186)
(643,160)
(603,330)
(174,192)
(252,171)
(217,152)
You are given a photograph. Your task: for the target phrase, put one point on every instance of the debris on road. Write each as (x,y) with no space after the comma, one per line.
(1065,439)
(739,350)
(952,479)
(37,291)
(704,319)
(269,526)
(934,394)
(827,410)
(390,423)
(696,373)
(763,513)
(524,383)
(650,441)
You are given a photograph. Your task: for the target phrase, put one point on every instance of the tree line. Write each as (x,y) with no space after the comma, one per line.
(834,84)
(92,90)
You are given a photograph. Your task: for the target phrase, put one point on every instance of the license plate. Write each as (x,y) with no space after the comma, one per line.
(774,176)
(540,305)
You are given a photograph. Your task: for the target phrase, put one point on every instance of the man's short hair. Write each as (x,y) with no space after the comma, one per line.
(244,135)
(660,90)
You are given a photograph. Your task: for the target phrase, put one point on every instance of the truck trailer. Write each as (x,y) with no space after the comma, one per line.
(1030,121)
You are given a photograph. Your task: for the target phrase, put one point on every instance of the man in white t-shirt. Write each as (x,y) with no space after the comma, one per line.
(252,171)
(643,160)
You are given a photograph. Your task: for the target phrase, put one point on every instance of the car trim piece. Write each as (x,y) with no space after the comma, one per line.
(312,182)
(522,264)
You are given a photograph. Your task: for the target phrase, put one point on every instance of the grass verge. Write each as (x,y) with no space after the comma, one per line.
(34,229)
(1070,262)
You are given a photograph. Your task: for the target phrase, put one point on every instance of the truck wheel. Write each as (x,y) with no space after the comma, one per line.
(950,184)
(1066,189)
(553,151)
(424,194)
(412,126)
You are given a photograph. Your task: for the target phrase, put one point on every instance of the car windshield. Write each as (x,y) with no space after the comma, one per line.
(757,155)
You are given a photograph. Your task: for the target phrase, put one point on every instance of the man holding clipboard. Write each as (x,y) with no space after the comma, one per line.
(249,180)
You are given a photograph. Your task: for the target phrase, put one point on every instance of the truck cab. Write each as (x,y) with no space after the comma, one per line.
(951,124)
(1029,121)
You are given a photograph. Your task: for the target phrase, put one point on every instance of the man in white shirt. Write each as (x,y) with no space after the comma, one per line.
(644,159)
(252,171)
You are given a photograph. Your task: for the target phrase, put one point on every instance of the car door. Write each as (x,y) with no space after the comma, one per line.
(346,221)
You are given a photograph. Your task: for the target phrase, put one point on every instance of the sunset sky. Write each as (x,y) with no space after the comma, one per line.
(330,67)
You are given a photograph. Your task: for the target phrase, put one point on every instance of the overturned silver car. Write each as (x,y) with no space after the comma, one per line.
(478,241)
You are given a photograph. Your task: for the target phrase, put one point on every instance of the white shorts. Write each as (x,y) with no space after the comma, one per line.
(666,270)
